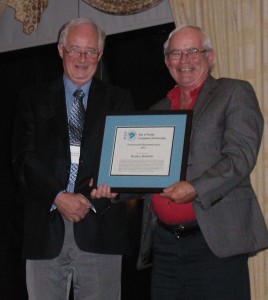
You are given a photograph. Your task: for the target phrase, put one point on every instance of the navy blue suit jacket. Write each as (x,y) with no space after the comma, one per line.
(41,157)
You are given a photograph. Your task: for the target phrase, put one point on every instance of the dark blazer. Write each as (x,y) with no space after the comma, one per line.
(226,134)
(41,157)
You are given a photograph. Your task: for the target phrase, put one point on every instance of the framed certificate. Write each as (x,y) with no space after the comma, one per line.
(143,152)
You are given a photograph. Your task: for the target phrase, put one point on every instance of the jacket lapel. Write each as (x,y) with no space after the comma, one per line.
(203,99)
(93,117)
(56,99)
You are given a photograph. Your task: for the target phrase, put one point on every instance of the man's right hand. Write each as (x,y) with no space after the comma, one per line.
(73,207)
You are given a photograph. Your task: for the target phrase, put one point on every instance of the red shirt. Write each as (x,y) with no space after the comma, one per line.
(166,210)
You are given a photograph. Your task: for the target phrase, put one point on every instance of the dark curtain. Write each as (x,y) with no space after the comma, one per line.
(133,60)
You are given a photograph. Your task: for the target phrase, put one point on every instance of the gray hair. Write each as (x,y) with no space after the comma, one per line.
(69,25)
(207,44)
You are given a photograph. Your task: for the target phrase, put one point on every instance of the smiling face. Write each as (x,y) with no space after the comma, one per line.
(189,73)
(80,69)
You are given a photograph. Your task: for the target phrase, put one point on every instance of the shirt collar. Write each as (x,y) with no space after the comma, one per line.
(70,87)
(174,96)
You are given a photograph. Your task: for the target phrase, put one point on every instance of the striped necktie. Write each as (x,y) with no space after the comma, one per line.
(76,125)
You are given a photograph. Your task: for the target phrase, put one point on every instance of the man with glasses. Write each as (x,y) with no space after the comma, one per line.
(204,228)
(68,238)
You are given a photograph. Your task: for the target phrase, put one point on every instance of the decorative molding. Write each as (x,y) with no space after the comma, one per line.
(122,7)
(26,11)
(3,5)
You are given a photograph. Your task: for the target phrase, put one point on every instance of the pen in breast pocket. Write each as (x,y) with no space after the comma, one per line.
(92,208)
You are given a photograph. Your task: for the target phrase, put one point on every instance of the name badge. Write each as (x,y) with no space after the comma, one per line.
(75,154)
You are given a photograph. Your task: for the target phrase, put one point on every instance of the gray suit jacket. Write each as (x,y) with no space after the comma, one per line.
(226,134)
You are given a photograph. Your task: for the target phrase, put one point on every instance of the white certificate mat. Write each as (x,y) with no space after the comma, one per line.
(139,151)
(143,152)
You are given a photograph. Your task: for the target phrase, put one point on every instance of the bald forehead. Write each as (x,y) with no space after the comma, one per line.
(186,38)
(188,32)
(84,27)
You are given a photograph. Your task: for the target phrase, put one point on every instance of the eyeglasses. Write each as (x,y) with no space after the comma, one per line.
(191,53)
(76,52)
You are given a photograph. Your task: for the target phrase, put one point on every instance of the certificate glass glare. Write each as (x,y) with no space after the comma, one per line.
(143,152)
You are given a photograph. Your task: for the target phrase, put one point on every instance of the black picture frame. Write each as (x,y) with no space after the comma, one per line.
(143,152)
